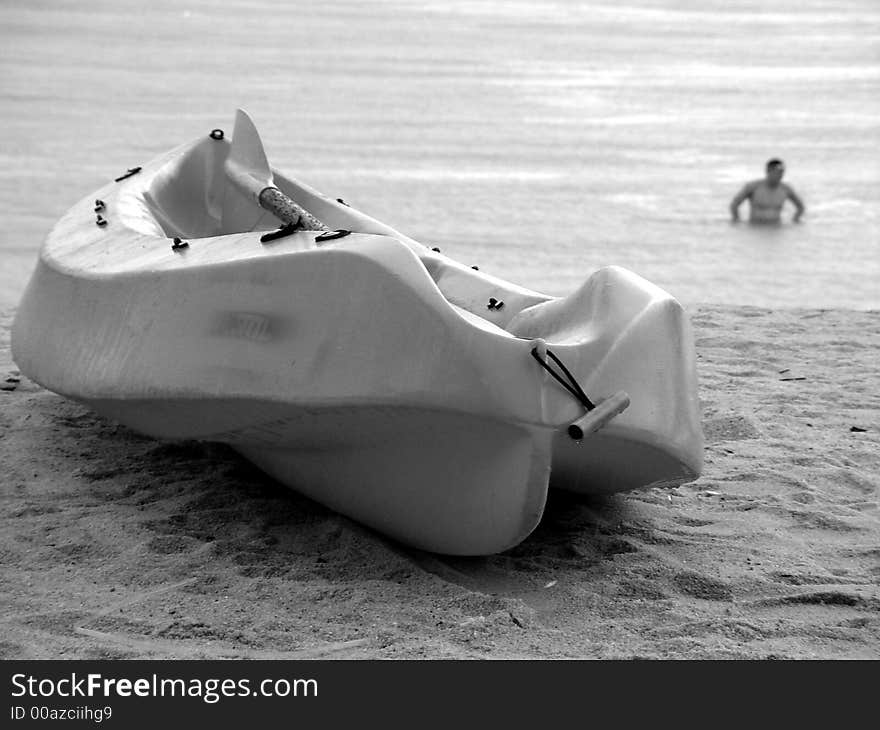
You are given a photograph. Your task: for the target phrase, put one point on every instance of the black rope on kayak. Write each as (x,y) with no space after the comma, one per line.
(572,386)
(285,230)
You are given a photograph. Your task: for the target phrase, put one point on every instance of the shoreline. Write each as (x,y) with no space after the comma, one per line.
(119,546)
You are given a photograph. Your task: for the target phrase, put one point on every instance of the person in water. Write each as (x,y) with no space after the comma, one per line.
(766,197)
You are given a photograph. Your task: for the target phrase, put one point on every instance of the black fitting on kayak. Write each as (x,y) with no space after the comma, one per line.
(340,200)
(99,205)
(436,249)
(285,230)
(178,244)
(216,134)
(572,385)
(332,235)
(100,221)
(475,268)
(131,171)
(494,303)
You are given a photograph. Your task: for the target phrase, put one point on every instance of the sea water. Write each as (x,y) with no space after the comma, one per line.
(536,140)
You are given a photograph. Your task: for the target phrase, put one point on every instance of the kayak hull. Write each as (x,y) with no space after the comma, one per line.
(364,370)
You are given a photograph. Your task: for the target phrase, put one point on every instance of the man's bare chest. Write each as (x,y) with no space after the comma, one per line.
(766,197)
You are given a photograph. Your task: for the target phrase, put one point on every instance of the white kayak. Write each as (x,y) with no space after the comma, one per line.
(428,400)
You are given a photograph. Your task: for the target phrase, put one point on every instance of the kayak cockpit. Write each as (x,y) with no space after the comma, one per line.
(190,197)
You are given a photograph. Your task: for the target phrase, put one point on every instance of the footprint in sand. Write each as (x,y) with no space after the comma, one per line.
(826,598)
(730,428)
(171,544)
(702,586)
(803,579)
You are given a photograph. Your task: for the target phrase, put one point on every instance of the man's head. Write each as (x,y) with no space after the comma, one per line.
(775,170)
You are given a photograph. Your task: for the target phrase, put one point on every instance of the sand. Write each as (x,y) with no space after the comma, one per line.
(113,545)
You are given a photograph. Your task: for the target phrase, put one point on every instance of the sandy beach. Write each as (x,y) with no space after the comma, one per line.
(118,546)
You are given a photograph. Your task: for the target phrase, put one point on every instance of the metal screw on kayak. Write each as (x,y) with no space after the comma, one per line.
(178,244)
(99,205)
(216,134)
(100,221)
